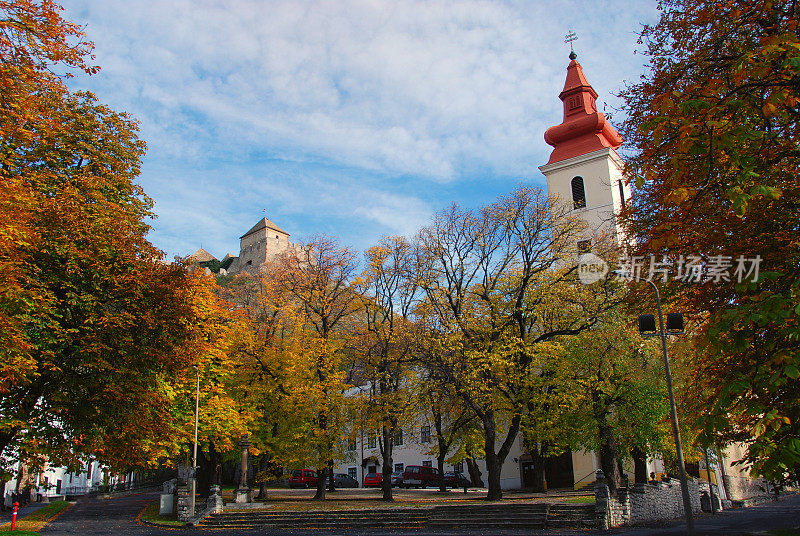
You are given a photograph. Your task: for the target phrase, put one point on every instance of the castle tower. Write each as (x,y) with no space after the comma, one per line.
(584,169)
(261,244)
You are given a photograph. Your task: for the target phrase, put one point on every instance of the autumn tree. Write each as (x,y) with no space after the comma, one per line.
(318,278)
(33,40)
(620,407)
(387,346)
(452,420)
(483,276)
(713,128)
(93,319)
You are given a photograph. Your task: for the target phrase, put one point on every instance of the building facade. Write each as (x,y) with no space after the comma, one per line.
(261,244)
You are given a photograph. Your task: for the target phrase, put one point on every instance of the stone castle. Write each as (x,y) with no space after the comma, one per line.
(258,246)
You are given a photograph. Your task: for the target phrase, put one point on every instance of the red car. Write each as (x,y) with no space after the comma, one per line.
(303,478)
(373,480)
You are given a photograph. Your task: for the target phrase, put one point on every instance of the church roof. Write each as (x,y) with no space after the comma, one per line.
(583,129)
(264,223)
(202,255)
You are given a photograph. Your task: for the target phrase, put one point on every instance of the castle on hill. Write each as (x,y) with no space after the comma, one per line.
(260,245)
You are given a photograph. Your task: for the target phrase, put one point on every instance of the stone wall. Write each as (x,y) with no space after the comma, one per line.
(660,501)
(644,503)
(184,503)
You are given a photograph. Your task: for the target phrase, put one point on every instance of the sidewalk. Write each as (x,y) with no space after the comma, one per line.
(23,511)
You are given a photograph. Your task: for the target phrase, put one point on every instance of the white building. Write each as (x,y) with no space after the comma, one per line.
(55,481)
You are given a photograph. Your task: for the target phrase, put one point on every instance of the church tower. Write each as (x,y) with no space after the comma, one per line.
(584,169)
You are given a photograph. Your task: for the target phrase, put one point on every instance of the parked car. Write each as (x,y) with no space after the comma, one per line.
(341,480)
(303,478)
(453,479)
(397,479)
(373,480)
(420,476)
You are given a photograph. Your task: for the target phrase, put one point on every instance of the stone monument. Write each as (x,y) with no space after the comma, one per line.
(244,494)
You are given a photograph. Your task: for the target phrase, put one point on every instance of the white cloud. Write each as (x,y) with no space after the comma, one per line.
(437,91)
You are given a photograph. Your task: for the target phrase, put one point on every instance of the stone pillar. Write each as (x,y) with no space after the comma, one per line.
(184,507)
(244,494)
(215,499)
(602,501)
(625,504)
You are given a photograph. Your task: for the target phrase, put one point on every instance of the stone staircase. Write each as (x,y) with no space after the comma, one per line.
(386,517)
(473,516)
(510,516)
(571,515)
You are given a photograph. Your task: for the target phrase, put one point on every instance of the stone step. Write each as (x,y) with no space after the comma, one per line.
(508,516)
(262,520)
(319,524)
(441,524)
(470,516)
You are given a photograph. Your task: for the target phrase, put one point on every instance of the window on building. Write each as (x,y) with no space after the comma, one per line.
(89,471)
(621,194)
(584,246)
(353,472)
(398,437)
(578,193)
(425,434)
(351,444)
(398,467)
(458,467)
(427,463)
(371,441)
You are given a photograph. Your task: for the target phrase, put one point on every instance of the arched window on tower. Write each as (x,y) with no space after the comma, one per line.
(578,193)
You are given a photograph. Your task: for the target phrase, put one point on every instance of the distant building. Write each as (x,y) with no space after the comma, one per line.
(258,246)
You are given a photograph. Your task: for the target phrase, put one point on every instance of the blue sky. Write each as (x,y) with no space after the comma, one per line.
(356,119)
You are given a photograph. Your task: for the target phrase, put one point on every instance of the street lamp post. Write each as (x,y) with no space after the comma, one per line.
(687,503)
(194,456)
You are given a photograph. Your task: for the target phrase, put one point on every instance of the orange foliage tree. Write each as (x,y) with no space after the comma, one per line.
(94,324)
(715,130)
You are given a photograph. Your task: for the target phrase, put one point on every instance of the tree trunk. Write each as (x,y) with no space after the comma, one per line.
(494,460)
(608,456)
(387,442)
(493,465)
(331,482)
(608,444)
(440,466)
(639,465)
(263,463)
(495,492)
(205,470)
(322,484)
(537,456)
(474,471)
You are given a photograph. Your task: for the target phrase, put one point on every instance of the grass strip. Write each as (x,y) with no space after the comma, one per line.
(34,521)
(18,533)
(150,515)
(579,500)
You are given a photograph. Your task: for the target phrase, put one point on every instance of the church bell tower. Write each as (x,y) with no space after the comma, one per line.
(584,169)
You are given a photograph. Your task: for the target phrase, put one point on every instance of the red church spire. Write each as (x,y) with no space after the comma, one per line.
(583,129)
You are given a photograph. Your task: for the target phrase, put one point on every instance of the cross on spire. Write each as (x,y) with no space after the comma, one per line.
(569,38)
